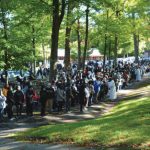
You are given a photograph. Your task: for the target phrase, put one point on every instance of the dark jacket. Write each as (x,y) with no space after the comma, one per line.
(43,95)
(81,93)
(10,98)
(50,93)
(29,96)
(19,97)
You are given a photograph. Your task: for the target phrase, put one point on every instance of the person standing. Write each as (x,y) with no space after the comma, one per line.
(19,100)
(91,90)
(112,89)
(138,74)
(68,97)
(5,90)
(87,95)
(74,94)
(2,104)
(29,101)
(81,94)
(50,98)
(104,90)
(96,89)
(43,100)
(125,79)
(60,96)
(10,102)
(53,85)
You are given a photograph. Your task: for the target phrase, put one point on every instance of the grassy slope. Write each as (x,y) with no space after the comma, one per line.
(127,124)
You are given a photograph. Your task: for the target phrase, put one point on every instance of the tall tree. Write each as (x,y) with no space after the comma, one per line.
(105,42)
(86,36)
(4,11)
(79,44)
(25,31)
(67,36)
(70,20)
(57,19)
(34,49)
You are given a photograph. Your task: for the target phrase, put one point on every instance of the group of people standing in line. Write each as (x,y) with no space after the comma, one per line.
(69,89)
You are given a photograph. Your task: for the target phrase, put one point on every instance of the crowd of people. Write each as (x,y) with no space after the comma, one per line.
(70,88)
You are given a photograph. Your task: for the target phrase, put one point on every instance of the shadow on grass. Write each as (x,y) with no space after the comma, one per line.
(134,96)
(127,124)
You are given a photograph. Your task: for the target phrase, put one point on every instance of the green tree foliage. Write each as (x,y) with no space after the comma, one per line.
(27,27)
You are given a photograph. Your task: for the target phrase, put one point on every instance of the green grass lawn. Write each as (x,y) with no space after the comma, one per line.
(127,124)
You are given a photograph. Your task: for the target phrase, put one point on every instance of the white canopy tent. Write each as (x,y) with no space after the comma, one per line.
(95,54)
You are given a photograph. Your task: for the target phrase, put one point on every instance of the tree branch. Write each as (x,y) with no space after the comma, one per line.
(61,16)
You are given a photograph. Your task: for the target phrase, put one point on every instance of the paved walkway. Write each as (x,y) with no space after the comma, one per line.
(11,127)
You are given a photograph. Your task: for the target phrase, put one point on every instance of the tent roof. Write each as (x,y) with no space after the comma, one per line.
(95,53)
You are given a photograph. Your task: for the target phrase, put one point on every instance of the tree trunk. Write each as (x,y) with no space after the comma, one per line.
(86,37)
(44,54)
(116,50)
(55,35)
(136,47)
(116,44)
(4,23)
(79,46)
(136,41)
(104,60)
(109,50)
(109,54)
(67,38)
(57,19)
(34,50)
(67,47)
(105,47)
